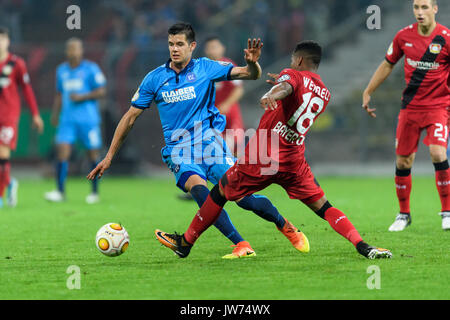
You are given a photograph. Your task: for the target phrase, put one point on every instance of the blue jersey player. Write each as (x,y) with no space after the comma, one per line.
(183,89)
(79,84)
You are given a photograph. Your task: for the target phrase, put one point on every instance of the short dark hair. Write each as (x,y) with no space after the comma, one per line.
(4,31)
(183,28)
(310,50)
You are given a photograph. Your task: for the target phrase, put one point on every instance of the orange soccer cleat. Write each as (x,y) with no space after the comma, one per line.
(241,250)
(295,236)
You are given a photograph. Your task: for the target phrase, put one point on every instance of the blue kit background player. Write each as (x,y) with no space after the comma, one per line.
(79,84)
(183,90)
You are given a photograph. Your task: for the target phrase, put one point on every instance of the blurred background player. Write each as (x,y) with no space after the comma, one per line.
(183,90)
(291,107)
(79,84)
(228,94)
(426,47)
(13,74)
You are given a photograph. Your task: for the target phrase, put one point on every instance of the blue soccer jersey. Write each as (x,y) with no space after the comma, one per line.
(83,79)
(191,123)
(185,99)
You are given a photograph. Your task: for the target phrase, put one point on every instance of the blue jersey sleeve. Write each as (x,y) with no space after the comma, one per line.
(144,95)
(96,77)
(218,70)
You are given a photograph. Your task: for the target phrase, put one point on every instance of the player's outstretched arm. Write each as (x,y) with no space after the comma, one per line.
(124,126)
(251,55)
(278,92)
(381,74)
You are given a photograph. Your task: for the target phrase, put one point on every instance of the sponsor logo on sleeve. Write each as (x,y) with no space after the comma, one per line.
(284,77)
(135,96)
(391,49)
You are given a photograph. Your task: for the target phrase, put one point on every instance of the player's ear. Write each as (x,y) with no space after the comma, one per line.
(193,45)
(299,61)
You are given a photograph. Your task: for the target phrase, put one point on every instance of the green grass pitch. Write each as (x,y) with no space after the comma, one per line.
(40,240)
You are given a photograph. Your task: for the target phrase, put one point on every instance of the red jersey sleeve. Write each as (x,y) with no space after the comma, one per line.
(395,51)
(289,76)
(23,79)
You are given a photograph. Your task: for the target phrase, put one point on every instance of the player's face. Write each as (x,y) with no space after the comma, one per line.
(214,50)
(4,43)
(425,12)
(180,49)
(74,51)
(296,61)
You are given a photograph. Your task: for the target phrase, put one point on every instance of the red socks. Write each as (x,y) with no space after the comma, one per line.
(340,223)
(206,216)
(403,183)
(5,168)
(443,184)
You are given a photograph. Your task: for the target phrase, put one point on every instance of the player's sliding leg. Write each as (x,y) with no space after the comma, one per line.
(200,192)
(205,217)
(62,168)
(262,206)
(442,174)
(93,197)
(403,184)
(342,225)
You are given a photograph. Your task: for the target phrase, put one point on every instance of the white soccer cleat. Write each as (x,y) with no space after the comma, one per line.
(92,198)
(445,220)
(401,222)
(12,197)
(54,196)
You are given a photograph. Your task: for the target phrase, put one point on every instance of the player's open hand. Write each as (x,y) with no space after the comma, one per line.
(99,169)
(37,123)
(274,77)
(253,51)
(365,105)
(268,102)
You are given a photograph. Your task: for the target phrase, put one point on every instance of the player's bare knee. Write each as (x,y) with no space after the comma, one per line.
(194,180)
(438,153)
(405,162)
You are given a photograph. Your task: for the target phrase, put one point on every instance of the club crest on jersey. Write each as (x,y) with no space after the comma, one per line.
(190,77)
(435,48)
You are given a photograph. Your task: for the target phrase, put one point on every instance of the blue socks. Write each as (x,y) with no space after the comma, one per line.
(223,223)
(263,208)
(62,168)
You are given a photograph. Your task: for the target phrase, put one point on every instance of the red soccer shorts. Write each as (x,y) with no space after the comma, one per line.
(410,125)
(245,179)
(8,135)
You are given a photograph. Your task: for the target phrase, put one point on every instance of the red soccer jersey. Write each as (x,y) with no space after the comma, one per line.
(290,121)
(427,66)
(13,74)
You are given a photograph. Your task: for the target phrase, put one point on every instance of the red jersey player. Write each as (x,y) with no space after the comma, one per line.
(228,94)
(291,109)
(13,74)
(426,47)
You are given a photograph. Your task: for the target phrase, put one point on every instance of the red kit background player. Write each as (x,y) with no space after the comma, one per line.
(291,109)
(228,94)
(13,74)
(426,48)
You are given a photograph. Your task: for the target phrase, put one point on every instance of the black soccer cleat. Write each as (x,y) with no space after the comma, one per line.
(175,242)
(372,252)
